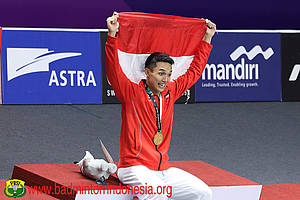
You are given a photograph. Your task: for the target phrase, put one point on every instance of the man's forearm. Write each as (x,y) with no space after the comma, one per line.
(207,38)
(112,34)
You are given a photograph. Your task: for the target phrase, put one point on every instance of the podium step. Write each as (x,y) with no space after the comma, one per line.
(64,181)
(281,192)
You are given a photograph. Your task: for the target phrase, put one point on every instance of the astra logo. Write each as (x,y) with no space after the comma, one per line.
(21,61)
(240,70)
(295,73)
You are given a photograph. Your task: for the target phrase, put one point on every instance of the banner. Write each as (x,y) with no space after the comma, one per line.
(51,67)
(108,94)
(242,67)
(0,67)
(290,45)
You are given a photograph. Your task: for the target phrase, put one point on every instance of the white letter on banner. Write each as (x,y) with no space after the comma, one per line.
(254,70)
(53,79)
(91,79)
(80,78)
(210,69)
(228,67)
(72,76)
(242,67)
(61,74)
(221,72)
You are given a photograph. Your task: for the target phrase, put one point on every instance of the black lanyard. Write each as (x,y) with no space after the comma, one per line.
(158,138)
(151,95)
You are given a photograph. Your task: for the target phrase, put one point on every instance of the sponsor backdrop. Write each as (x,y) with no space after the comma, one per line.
(188,96)
(242,67)
(290,46)
(108,94)
(0,67)
(51,67)
(40,66)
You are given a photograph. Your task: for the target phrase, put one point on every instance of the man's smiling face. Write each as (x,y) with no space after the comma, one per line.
(159,77)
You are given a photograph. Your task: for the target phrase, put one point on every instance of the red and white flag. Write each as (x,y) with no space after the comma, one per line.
(141,34)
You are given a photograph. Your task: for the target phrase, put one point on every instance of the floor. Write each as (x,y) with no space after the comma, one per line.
(257,140)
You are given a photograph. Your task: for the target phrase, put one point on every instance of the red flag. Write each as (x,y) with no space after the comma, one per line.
(146,33)
(141,34)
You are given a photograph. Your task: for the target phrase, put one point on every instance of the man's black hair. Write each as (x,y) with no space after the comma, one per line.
(157,57)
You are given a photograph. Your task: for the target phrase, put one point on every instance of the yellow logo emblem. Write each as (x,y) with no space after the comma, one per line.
(15,188)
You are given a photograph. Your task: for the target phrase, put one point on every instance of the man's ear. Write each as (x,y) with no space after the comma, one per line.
(147,72)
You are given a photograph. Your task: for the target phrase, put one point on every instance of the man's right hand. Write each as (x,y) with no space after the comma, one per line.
(113,24)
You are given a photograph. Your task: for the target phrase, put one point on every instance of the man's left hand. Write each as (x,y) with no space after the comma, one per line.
(210,31)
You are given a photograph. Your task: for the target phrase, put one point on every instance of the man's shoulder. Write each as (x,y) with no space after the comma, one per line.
(170,87)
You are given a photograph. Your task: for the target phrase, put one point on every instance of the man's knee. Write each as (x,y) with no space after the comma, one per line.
(153,197)
(203,193)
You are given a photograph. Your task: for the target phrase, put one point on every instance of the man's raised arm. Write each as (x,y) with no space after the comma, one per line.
(118,80)
(198,64)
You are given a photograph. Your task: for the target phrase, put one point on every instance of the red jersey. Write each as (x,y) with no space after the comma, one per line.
(138,113)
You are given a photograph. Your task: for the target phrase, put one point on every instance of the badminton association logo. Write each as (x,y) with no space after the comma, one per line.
(15,188)
(21,61)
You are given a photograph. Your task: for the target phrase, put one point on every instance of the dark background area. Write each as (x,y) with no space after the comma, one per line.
(290,51)
(230,14)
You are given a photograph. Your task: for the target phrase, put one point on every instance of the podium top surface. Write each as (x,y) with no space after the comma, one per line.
(66,174)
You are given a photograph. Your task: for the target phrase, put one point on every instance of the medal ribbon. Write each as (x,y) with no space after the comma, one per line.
(158,113)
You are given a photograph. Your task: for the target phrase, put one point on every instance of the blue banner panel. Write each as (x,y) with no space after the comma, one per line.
(242,67)
(51,67)
(0,67)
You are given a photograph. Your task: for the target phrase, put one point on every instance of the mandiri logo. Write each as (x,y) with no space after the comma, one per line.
(252,53)
(237,69)
(21,61)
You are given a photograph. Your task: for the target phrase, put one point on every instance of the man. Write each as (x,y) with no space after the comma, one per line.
(147,116)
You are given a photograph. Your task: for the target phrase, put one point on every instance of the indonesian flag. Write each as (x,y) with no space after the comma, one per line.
(141,34)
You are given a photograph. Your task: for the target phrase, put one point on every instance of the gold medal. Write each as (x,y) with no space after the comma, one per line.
(158,138)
